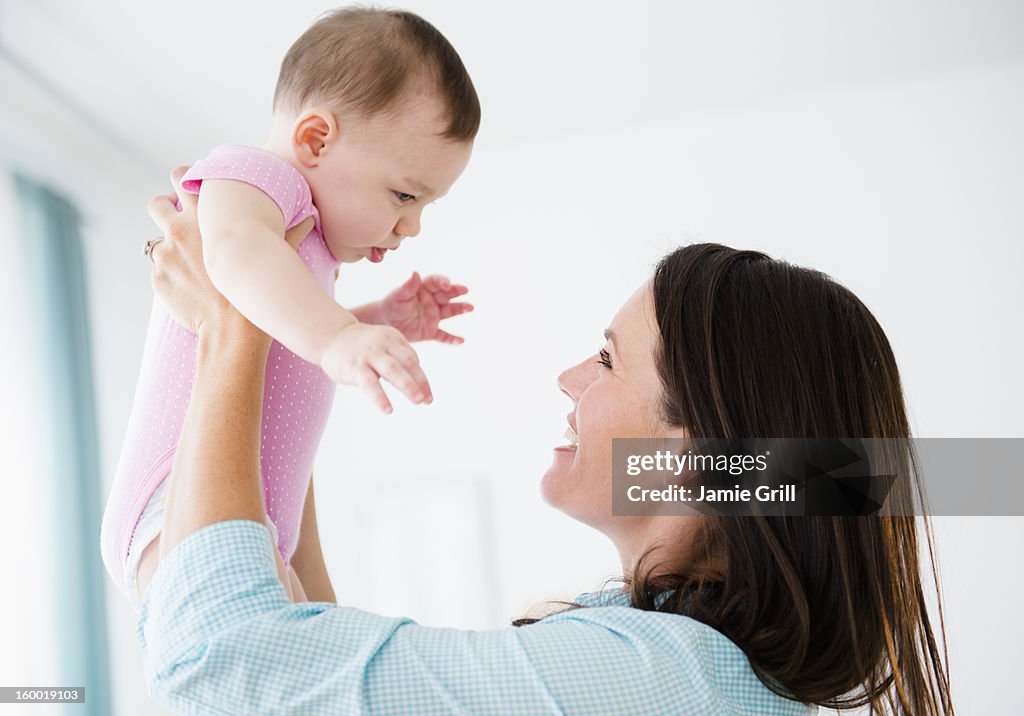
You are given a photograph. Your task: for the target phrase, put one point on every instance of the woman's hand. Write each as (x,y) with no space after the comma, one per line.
(179,275)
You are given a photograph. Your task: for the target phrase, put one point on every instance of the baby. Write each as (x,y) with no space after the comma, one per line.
(374,117)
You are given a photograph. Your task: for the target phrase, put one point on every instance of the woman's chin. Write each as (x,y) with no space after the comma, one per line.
(558,477)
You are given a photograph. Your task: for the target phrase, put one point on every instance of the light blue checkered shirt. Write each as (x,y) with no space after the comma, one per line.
(220,637)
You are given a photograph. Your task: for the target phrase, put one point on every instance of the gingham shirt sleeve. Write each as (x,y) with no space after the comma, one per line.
(219,636)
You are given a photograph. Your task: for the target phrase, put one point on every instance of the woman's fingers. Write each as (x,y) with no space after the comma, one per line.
(165,208)
(184,198)
(161,210)
(166,269)
(154,249)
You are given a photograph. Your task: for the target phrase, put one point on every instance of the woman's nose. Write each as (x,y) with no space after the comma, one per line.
(573,381)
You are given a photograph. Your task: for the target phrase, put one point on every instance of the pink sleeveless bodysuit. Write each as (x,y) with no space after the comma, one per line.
(297,398)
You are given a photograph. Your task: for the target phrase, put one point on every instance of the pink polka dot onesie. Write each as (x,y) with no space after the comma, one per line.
(296,404)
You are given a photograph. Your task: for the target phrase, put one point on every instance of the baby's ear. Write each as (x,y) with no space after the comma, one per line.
(313,131)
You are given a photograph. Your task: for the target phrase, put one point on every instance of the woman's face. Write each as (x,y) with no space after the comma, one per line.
(616,394)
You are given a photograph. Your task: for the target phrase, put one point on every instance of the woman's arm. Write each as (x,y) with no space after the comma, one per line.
(308,559)
(216,471)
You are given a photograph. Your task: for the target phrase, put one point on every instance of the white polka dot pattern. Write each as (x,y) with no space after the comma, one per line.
(297,399)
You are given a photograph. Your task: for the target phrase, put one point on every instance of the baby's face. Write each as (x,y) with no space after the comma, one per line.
(376,176)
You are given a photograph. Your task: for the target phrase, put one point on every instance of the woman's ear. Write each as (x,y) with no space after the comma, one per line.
(314,130)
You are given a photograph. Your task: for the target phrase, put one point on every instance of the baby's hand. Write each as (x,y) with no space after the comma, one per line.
(362,354)
(417,307)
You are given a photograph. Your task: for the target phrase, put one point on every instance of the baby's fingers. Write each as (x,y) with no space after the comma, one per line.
(454,309)
(446,337)
(407,291)
(435,283)
(406,355)
(456,289)
(447,294)
(403,371)
(395,373)
(369,382)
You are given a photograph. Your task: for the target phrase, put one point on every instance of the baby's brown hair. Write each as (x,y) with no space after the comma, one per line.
(365,60)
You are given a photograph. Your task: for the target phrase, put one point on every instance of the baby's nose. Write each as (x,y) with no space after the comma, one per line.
(408,226)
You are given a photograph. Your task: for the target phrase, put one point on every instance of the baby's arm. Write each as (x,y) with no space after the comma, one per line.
(417,308)
(250,263)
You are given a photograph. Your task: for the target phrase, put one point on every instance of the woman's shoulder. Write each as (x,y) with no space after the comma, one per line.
(614,606)
(688,652)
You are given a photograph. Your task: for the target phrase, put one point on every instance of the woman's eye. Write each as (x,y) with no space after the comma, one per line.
(606,360)
(403,197)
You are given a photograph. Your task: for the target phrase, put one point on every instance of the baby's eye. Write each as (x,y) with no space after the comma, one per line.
(403,197)
(606,359)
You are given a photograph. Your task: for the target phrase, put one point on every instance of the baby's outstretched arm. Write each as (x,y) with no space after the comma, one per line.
(417,307)
(250,263)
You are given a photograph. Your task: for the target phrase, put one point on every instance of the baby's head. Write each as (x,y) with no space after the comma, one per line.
(379,114)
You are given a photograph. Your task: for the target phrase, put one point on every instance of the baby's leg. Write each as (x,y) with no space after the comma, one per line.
(282,571)
(147,565)
(298,593)
(151,558)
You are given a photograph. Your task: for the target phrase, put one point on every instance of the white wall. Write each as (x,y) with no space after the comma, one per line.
(905,188)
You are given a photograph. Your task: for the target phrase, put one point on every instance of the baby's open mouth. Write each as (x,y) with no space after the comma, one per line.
(377,254)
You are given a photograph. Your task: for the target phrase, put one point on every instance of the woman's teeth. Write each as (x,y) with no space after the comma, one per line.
(571,436)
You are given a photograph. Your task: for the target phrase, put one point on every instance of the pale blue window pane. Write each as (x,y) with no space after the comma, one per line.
(57,296)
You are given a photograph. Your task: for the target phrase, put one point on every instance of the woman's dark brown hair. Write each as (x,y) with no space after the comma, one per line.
(829,610)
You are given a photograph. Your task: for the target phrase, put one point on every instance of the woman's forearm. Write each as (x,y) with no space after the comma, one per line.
(216,471)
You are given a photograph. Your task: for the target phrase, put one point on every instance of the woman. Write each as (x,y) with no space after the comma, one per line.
(760,615)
